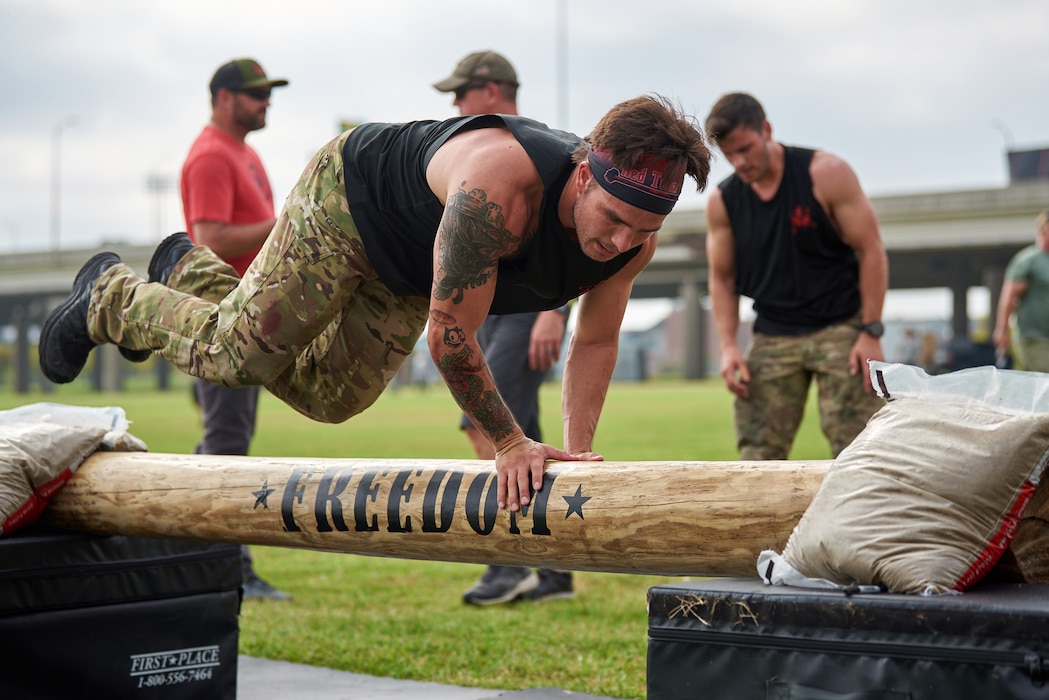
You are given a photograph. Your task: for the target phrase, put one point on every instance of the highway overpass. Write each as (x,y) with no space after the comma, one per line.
(956,240)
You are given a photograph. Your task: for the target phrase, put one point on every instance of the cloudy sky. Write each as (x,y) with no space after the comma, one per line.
(917,96)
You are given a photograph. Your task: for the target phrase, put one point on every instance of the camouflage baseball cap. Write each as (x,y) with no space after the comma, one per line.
(482,66)
(242,74)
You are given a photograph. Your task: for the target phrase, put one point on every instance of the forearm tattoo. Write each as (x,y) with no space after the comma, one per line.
(464,377)
(471,240)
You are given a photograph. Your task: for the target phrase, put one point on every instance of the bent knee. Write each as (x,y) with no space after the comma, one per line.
(332,409)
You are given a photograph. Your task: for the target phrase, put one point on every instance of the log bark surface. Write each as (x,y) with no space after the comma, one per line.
(663,518)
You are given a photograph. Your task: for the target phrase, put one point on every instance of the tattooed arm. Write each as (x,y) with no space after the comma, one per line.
(472,238)
(490,202)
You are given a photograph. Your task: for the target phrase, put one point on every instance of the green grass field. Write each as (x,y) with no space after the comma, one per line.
(404,618)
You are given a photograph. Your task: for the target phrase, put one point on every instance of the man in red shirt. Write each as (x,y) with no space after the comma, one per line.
(228,204)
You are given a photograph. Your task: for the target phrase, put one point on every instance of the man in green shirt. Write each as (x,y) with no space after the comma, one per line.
(1025,292)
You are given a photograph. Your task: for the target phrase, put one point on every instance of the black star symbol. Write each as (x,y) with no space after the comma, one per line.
(262,494)
(575,503)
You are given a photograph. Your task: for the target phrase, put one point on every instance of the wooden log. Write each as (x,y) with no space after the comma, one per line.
(665,518)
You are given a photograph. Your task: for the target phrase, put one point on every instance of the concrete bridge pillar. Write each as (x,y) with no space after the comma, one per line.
(20,365)
(693,329)
(109,368)
(993,276)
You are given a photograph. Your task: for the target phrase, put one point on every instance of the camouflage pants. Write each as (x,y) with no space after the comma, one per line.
(781,371)
(310,320)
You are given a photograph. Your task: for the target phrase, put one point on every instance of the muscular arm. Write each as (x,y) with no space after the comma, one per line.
(592,354)
(489,188)
(724,300)
(838,189)
(471,240)
(232,240)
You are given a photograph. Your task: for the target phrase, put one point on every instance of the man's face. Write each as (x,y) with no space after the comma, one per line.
(249,108)
(747,151)
(1043,237)
(607,227)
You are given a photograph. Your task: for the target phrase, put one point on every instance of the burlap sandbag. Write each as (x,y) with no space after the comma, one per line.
(42,444)
(36,460)
(926,499)
(1027,559)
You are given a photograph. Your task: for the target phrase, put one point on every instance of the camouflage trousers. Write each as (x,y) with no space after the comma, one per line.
(310,320)
(782,369)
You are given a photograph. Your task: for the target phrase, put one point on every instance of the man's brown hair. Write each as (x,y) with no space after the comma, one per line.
(649,126)
(734,110)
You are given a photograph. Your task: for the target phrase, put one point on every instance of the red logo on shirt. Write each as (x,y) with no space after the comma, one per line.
(801,218)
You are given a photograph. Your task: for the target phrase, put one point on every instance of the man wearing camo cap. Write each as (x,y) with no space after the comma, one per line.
(520,349)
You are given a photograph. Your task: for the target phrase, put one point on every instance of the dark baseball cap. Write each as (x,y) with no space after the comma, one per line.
(242,74)
(479,67)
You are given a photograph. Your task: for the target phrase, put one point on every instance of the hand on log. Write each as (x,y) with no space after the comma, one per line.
(520,465)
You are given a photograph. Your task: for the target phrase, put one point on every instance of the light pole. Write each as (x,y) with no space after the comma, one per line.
(158,185)
(562,63)
(56,178)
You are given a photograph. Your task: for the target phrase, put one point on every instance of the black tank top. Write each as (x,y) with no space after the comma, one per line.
(789,258)
(397,214)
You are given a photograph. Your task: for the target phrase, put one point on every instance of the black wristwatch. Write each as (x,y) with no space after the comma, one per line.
(874,329)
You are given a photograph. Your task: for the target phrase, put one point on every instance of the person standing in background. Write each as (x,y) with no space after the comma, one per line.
(521,348)
(792,229)
(228,205)
(1025,292)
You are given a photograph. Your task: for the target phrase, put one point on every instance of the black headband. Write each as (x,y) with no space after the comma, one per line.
(654,185)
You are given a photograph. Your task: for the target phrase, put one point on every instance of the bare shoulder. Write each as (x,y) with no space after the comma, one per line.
(716,213)
(490,158)
(827,166)
(833,180)
(838,190)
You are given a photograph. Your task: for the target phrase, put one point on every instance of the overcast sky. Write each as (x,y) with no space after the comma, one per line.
(917,96)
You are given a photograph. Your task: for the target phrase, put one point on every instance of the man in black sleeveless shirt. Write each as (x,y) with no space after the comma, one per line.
(394,229)
(792,230)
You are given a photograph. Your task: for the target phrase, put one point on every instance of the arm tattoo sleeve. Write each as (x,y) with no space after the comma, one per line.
(471,240)
(465,380)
